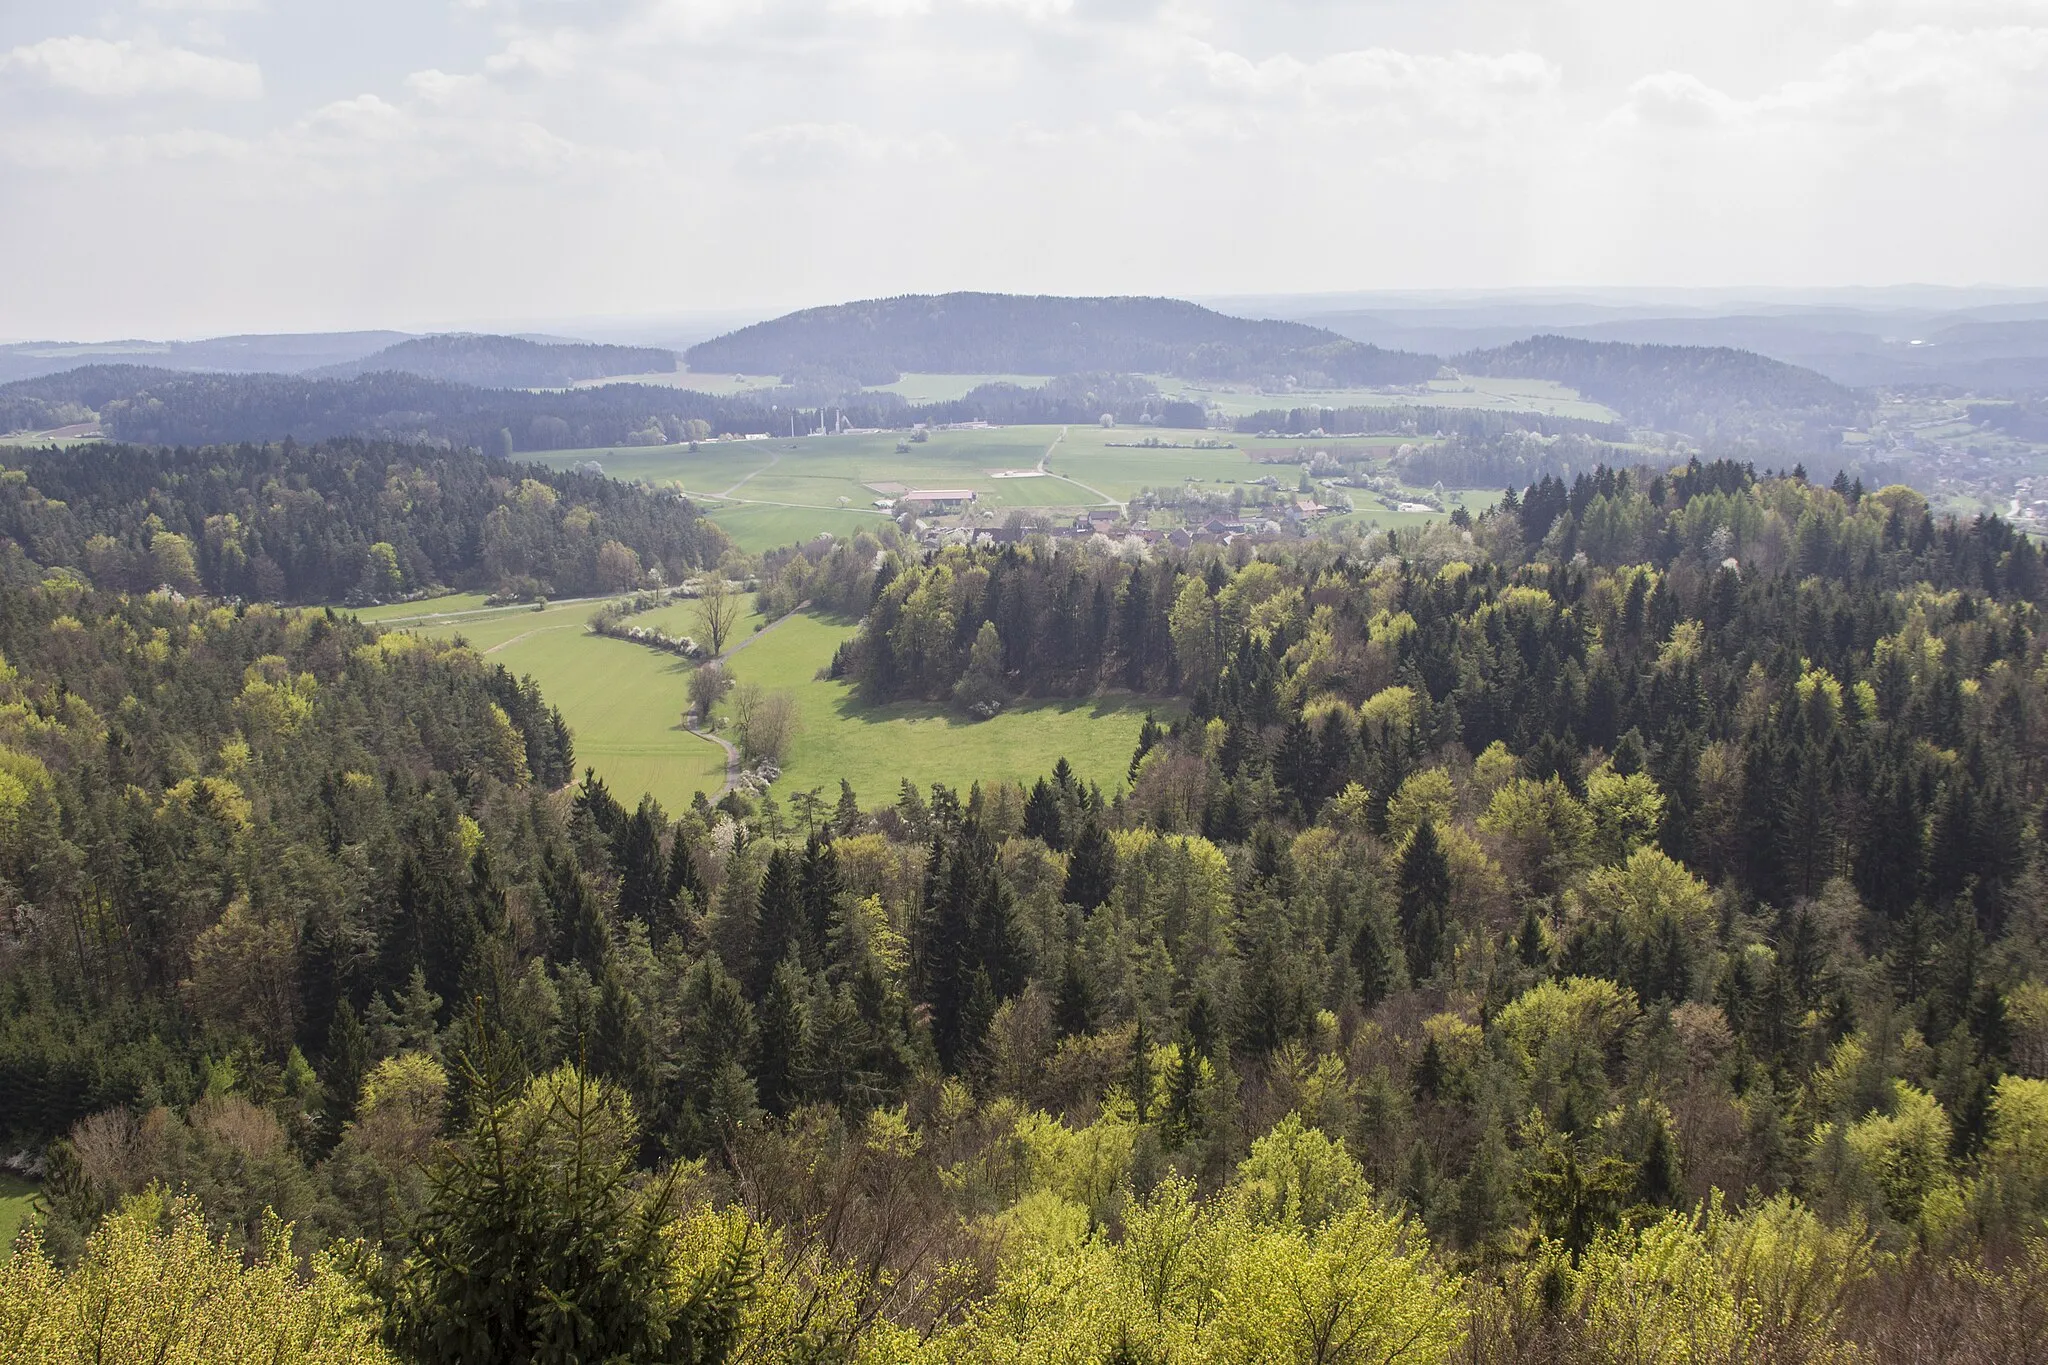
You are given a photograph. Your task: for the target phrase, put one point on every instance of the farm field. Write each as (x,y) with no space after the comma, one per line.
(769,493)
(944,388)
(17,1201)
(912,388)
(717,382)
(875,747)
(1466,391)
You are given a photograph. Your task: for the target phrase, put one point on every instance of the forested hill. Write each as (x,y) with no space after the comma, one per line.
(354,520)
(160,407)
(499,362)
(1713,393)
(971,333)
(75,395)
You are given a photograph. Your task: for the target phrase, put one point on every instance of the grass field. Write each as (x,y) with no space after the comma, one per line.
(1466,391)
(944,388)
(772,493)
(912,388)
(876,747)
(769,493)
(625,702)
(17,1201)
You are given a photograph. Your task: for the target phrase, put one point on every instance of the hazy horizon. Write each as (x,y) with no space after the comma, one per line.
(190,168)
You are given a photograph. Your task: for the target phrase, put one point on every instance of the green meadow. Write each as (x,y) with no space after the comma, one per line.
(17,1202)
(776,492)
(876,747)
(1464,391)
(625,702)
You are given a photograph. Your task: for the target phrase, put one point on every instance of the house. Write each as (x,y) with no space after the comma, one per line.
(1179,539)
(938,499)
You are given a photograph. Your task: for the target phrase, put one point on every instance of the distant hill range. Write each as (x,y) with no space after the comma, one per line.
(1989,350)
(501,362)
(467,389)
(1707,392)
(875,341)
(273,353)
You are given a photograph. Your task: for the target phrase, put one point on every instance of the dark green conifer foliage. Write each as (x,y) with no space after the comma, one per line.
(1425,901)
(540,1246)
(1091,867)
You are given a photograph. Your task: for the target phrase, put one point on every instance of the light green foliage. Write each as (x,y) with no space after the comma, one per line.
(1770,1284)
(155,1288)
(1299,1176)
(1580,1012)
(1207,1283)
(1086,1166)
(1626,812)
(2015,1183)
(1391,710)
(1544,827)
(1903,1154)
(1427,795)
(1177,886)
(1648,890)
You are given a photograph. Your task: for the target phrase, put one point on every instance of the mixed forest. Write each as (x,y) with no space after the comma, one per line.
(1605,929)
(346,521)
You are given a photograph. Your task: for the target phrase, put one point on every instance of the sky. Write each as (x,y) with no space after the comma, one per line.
(182,168)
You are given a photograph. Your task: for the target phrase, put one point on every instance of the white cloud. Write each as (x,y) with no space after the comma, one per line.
(572,148)
(1923,79)
(797,149)
(1678,99)
(125,69)
(439,87)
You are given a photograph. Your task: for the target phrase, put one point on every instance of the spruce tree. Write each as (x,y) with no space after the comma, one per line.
(1425,901)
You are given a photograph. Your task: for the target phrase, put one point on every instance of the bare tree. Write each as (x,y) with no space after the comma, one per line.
(764,722)
(718,610)
(708,685)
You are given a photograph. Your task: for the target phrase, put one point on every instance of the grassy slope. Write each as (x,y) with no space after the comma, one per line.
(17,1201)
(624,702)
(875,747)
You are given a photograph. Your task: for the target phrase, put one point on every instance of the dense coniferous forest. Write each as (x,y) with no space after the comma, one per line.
(1605,930)
(878,339)
(497,362)
(361,521)
(161,407)
(1709,392)
(1474,424)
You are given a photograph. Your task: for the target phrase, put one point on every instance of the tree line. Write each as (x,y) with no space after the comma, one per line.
(346,520)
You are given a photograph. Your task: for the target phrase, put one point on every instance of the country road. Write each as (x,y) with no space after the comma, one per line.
(1045,467)
(732,753)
